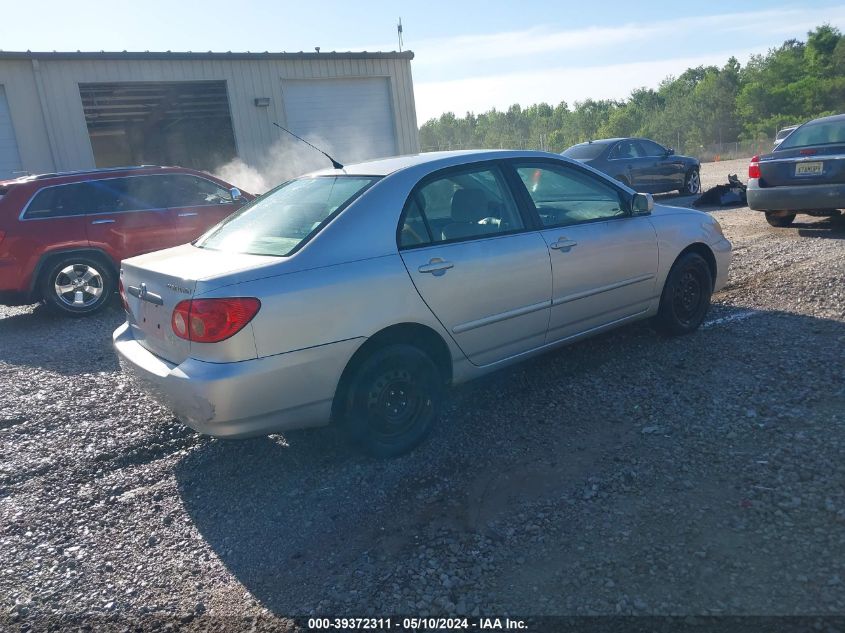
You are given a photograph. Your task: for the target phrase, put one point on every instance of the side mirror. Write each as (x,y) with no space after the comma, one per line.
(235,193)
(669,151)
(642,204)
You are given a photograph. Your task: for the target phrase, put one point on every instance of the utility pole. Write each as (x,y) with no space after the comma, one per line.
(399,33)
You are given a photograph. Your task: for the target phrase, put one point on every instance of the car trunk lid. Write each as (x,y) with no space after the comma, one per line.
(154,284)
(824,164)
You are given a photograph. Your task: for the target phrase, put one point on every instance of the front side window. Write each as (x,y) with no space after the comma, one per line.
(459,205)
(565,196)
(184,190)
(650,148)
(279,221)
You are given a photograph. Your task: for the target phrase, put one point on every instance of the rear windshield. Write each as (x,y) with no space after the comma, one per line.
(585,151)
(279,221)
(821,133)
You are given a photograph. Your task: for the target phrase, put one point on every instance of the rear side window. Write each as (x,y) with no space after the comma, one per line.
(60,200)
(628,149)
(461,205)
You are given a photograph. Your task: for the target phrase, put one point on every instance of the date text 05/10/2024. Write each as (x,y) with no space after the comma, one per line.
(415,624)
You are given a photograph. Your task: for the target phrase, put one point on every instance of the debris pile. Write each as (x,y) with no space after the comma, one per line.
(729,195)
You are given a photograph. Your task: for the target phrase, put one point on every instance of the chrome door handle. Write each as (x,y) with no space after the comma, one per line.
(563,245)
(103,222)
(187,215)
(436,267)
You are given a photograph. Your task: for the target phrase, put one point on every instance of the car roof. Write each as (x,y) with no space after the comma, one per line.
(826,119)
(84,174)
(600,141)
(437,160)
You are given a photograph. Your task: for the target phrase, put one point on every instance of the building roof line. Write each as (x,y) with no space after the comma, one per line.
(151,55)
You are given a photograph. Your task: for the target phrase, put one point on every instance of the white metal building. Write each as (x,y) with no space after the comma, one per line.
(65,111)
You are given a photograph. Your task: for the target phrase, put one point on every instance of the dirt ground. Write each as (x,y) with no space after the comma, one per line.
(628,474)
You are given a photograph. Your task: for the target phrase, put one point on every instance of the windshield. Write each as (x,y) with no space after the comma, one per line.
(820,133)
(585,151)
(279,221)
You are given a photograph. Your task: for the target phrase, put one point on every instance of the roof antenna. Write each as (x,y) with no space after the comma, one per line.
(335,164)
(399,32)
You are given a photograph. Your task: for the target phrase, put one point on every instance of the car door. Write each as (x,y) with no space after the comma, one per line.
(129,216)
(667,169)
(604,260)
(476,263)
(53,220)
(630,164)
(196,204)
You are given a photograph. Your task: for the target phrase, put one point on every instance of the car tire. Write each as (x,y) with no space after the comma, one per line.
(780,220)
(692,183)
(686,295)
(393,400)
(77,285)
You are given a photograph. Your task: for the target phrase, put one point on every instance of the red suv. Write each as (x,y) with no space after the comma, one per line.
(62,236)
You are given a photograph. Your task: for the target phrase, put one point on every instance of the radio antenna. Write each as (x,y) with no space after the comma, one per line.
(335,164)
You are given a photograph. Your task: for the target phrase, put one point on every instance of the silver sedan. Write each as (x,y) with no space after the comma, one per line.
(357,296)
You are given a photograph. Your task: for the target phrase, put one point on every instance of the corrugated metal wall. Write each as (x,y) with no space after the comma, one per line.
(49,122)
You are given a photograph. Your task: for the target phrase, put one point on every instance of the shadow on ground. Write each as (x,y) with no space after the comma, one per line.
(276,514)
(41,339)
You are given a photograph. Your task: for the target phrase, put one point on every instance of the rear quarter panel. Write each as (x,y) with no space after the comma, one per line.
(27,242)
(340,302)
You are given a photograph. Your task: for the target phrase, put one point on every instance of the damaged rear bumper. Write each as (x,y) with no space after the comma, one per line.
(241,399)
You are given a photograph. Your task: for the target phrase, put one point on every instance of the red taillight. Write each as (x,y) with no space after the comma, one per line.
(754,167)
(212,320)
(808,152)
(122,291)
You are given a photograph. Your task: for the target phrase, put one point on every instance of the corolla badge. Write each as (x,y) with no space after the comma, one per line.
(175,288)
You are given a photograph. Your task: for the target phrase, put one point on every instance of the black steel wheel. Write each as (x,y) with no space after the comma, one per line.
(686,295)
(393,400)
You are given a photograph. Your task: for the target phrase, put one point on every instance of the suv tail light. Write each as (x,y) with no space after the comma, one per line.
(754,167)
(212,320)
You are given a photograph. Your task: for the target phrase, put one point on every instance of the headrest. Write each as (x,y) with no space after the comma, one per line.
(469,205)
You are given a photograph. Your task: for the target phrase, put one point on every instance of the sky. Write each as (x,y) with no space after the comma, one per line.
(470,55)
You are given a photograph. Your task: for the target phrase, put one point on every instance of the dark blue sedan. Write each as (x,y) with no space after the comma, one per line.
(641,164)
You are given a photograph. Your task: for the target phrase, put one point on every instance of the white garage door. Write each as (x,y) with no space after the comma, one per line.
(10,160)
(352,117)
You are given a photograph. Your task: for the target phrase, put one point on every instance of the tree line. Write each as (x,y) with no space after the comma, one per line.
(790,84)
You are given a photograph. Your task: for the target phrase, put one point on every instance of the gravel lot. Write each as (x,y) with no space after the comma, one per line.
(628,474)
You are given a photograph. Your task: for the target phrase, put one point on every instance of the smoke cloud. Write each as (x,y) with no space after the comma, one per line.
(284,160)
(289,158)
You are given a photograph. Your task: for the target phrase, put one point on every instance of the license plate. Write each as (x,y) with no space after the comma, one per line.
(809,169)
